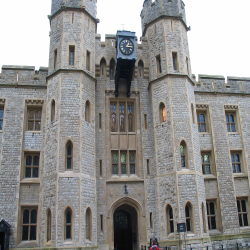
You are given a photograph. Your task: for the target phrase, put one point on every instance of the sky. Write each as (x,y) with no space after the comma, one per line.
(218,41)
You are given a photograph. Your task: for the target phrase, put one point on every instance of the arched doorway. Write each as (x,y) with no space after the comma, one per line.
(125,228)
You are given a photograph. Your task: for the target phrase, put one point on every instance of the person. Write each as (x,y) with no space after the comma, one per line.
(154,245)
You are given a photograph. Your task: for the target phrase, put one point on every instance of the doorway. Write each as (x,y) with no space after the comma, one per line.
(2,235)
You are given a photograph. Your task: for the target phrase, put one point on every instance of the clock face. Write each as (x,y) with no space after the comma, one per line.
(126,47)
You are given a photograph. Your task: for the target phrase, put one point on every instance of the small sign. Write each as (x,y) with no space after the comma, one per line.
(181,227)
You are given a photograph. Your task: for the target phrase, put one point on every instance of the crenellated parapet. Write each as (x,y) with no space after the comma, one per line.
(217,85)
(152,10)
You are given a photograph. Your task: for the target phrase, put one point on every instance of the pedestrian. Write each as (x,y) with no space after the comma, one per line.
(154,245)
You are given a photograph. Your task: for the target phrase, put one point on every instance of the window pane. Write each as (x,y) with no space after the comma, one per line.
(68,217)
(35,172)
(38,115)
(208,171)
(38,126)
(234,170)
(33,216)
(238,168)
(123,168)
(245,220)
(114,169)
(114,158)
(213,223)
(182,149)
(1,114)
(232,158)
(68,232)
(170,213)
(30,125)
(231,118)
(25,233)
(1,125)
(33,233)
(240,220)
(28,160)
(198,118)
(228,127)
(28,173)
(211,208)
(69,150)
(237,158)
(243,206)
(188,225)
(172,226)
(31,114)
(227,118)
(26,216)
(207,209)
(187,211)
(209,224)
(164,115)
(183,161)
(132,158)
(238,205)
(36,161)
(123,158)
(233,127)
(132,168)
(202,159)
(69,163)
(202,118)
(206,158)
(203,127)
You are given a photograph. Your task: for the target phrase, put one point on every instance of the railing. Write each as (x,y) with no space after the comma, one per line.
(236,246)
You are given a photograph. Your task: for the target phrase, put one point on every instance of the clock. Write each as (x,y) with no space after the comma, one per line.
(126,47)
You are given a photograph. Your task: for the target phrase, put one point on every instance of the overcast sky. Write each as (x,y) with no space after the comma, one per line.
(219,38)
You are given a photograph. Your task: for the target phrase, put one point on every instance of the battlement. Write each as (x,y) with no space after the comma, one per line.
(152,10)
(23,75)
(217,84)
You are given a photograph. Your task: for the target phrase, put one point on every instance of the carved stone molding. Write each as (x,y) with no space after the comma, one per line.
(34,102)
(201,106)
(2,101)
(112,92)
(230,107)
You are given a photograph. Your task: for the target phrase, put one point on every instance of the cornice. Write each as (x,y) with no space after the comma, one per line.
(112,93)
(201,106)
(220,93)
(34,102)
(16,85)
(230,107)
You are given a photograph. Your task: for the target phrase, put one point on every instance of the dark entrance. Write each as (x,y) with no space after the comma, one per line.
(122,230)
(2,235)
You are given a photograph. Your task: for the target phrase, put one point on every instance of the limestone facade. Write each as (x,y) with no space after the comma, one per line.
(74,193)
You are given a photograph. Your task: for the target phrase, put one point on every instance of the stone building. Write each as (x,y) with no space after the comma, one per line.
(80,167)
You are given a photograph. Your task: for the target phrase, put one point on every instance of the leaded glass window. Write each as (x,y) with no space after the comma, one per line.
(170,219)
(1,119)
(205,164)
(132,163)
(122,118)
(242,213)
(34,119)
(230,119)
(48,225)
(114,164)
(130,118)
(211,215)
(113,117)
(183,160)
(69,156)
(31,166)
(188,218)
(123,163)
(71,55)
(201,120)
(236,164)
(68,224)
(29,224)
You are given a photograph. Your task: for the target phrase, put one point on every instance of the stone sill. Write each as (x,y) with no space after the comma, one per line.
(30,181)
(214,232)
(33,132)
(243,229)
(117,178)
(239,175)
(209,177)
(69,242)
(204,133)
(233,133)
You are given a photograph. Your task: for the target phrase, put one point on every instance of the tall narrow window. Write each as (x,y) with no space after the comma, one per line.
(113,117)
(242,213)
(132,163)
(236,164)
(183,154)
(187,64)
(158,64)
(48,225)
(230,119)
(68,224)
(100,166)
(175,61)
(188,214)
(205,163)
(55,59)
(71,55)
(87,111)
(122,118)
(141,69)
(148,167)
(112,69)
(211,215)
(170,220)
(34,119)
(130,118)
(101,223)
(1,118)
(201,122)
(100,120)
(123,163)
(32,166)
(103,67)
(145,121)
(88,60)
(192,110)
(88,224)
(53,110)
(151,220)
(114,163)
(88,24)
(69,156)
(72,17)
(163,114)
(29,224)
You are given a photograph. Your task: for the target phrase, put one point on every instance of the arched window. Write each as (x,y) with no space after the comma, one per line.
(103,66)
(87,111)
(53,110)
(122,117)
(183,155)
(34,119)
(29,224)
(112,69)
(141,69)
(170,220)
(48,225)
(162,112)
(203,218)
(113,117)
(188,215)
(88,224)
(68,224)
(242,212)
(32,166)
(211,215)
(123,163)
(114,163)
(69,156)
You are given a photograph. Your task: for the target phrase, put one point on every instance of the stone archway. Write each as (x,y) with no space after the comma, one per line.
(135,231)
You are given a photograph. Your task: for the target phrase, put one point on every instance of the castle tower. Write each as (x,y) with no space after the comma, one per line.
(69,175)
(177,168)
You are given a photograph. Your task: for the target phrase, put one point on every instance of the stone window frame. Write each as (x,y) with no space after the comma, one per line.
(48,227)
(30,208)
(210,216)
(52,110)
(103,67)
(240,199)
(162,118)
(242,161)
(158,64)
(33,104)
(88,60)
(232,110)
(2,106)
(190,217)
(151,221)
(145,123)
(203,109)
(170,226)
(88,223)
(88,111)
(210,153)
(186,155)
(101,227)
(112,67)
(72,55)
(148,167)
(72,156)
(55,59)
(100,166)
(141,69)
(175,63)
(71,224)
